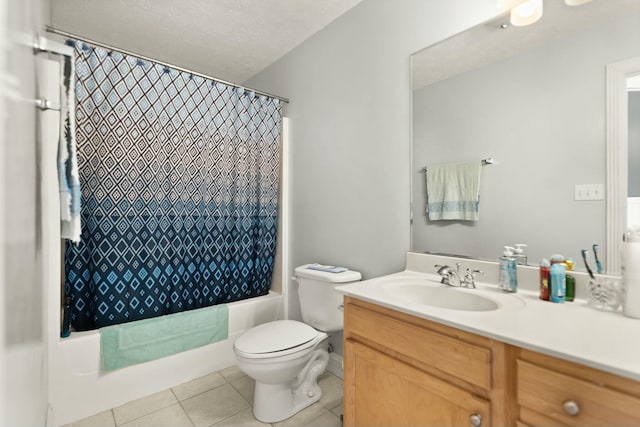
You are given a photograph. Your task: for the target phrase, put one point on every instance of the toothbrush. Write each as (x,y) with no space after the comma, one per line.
(584,258)
(596,247)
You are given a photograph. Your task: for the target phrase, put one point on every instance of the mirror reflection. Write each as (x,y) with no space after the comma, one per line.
(533,99)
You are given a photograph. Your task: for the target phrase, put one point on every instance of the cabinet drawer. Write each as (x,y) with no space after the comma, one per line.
(546,392)
(463,360)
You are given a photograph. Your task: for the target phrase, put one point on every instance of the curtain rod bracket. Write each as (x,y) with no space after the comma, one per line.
(42,45)
(46,104)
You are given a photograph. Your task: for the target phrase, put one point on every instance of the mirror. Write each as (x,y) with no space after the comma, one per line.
(633,199)
(622,145)
(534,99)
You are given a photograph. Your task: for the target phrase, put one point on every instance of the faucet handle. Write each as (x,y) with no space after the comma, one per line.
(442,269)
(469,278)
(445,272)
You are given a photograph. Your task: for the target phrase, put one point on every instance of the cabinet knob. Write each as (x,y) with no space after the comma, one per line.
(476,420)
(571,407)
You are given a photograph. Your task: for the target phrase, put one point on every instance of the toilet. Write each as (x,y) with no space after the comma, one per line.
(285,357)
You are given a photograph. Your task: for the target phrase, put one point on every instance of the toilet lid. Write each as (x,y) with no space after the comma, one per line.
(275,336)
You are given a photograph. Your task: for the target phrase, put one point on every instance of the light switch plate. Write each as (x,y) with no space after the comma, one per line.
(589,192)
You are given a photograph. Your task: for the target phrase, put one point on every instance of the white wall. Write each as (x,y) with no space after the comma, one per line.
(23,350)
(541,114)
(350,113)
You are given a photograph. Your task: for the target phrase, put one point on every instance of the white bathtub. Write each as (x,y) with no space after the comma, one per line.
(76,386)
(79,389)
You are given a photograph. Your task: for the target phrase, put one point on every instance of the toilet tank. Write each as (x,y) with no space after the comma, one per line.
(320,304)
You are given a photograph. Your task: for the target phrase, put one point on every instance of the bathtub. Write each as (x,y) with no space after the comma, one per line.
(76,386)
(79,388)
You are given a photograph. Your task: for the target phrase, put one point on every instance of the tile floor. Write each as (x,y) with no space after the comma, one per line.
(220,399)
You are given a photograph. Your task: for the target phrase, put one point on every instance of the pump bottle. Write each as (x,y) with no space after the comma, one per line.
(508,271)
(518,254)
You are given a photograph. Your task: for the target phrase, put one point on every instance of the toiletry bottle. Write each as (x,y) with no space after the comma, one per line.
(631,273)
(570,282)
(556,259)
(513,276)
(518,254)
(66,318)
(544,279)
(558,276)
(508,271)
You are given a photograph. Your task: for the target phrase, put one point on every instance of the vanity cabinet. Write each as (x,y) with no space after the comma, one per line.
(551,391)
(401,370)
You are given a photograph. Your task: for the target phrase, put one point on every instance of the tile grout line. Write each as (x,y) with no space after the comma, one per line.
(182,407)
(198,394)
(233,415)
(152,412)
(113,417)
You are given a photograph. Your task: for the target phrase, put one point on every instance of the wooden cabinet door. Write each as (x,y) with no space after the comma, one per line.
(382,391)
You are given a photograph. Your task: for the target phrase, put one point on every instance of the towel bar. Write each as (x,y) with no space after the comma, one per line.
(485,161)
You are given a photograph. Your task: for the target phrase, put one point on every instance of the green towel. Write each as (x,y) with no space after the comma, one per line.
(453,191)
(144,340)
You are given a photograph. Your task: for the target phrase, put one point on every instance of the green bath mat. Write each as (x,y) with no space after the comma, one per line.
(144,340)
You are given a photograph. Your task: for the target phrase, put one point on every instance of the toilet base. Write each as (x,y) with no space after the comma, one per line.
(276,402)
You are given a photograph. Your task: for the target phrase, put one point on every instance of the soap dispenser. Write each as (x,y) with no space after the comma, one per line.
(518,254)
(508,271)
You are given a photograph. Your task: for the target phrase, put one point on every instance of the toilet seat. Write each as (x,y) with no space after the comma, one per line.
(276,339)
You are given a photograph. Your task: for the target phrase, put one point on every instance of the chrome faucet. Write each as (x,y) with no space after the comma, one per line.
(448,272)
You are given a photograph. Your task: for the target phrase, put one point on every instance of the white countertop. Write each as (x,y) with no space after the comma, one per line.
(573,331)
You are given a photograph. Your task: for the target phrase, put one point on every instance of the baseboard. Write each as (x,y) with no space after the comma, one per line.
(335,365)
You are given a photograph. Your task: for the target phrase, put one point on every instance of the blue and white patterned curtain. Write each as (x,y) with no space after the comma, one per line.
(179,178)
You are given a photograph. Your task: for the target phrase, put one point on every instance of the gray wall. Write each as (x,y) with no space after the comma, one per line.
(634,144)
(541,114)
(350,113)
(349,87)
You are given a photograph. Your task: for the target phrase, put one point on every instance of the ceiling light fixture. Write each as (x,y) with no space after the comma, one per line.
(526,13)
(506,5)
(575,2)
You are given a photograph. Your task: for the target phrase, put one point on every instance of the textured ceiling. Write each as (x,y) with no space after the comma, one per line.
(229,39)
(487,43)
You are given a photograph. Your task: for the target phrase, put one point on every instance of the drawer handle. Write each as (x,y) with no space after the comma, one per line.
(571,407)
(476,420)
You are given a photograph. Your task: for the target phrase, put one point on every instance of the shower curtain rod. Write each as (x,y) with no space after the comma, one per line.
(195,73)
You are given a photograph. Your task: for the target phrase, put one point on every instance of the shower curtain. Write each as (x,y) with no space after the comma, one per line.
(179,178)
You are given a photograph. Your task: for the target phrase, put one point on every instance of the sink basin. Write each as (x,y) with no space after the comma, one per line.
(443,297)
(420,292)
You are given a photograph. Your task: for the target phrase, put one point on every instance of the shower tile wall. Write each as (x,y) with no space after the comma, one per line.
(219,399)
